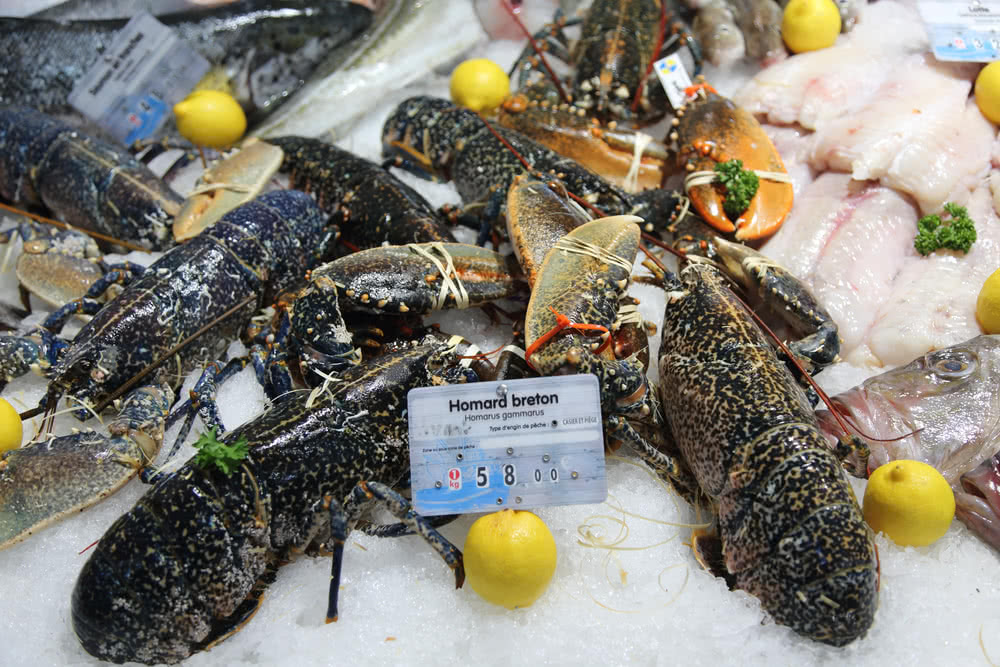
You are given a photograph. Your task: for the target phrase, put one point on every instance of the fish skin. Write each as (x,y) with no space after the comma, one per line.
(715,28)
(760,22)
(266,46)
(946,405)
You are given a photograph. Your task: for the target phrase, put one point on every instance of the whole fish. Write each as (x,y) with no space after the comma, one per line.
(715,27)
(760,21)
(407,39)
(945,409)
(263,49)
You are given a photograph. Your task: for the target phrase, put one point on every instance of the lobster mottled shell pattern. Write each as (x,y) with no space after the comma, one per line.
(792,531)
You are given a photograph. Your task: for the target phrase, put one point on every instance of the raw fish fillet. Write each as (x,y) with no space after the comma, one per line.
(917,134)
(847,240)
(932,302)
(810,88)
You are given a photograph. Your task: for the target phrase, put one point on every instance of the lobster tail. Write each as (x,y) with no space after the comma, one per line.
(795,537)
(147,595)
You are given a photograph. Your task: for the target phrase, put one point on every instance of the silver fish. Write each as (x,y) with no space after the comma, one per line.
(715,27)
(267,49)
(407,39)
(760,21)
(945,409)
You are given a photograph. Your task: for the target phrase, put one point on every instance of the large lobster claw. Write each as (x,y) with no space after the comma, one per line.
(710,129)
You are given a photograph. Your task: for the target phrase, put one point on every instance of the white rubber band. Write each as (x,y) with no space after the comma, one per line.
(450,284)
(576,246)
(631,183)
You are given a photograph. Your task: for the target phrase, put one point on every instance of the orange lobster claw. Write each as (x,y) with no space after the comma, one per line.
(712,129)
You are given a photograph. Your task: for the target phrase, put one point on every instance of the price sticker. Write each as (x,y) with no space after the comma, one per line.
(674,79)
(132,88)
(514,444)
(963,30)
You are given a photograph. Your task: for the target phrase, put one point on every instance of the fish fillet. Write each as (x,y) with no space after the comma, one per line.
(814,87)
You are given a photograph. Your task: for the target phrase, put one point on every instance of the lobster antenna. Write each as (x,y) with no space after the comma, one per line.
(63,225)
(538,51)
(171,352)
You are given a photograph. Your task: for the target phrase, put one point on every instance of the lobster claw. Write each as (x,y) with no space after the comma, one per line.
(710,129)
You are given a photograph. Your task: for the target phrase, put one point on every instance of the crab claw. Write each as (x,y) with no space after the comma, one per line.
(711,129)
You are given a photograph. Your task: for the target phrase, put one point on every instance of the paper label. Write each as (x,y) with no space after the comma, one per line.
(963,30)
(515,444)
(132,89)
(674,79)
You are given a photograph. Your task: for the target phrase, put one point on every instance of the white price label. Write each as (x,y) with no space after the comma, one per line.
(133,87)
(674,79)
(963,30)
(518,444)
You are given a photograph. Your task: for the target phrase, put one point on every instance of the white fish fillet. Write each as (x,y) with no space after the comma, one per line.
(847,240)
(932,302)
(914,134)
(810,88)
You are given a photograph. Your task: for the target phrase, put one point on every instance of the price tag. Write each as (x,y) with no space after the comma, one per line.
(674,78)
(519,444)
(132,88)
(963,30)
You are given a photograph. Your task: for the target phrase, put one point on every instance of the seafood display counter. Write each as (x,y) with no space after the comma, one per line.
(874,132)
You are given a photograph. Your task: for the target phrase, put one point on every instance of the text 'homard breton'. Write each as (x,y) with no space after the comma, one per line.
(501,403)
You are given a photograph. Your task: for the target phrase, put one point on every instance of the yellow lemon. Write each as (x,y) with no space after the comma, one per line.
(479,85)
(988,91)
(988,304)
(210,118)
(910,502)
(807,25)
(510,557)
(11,432)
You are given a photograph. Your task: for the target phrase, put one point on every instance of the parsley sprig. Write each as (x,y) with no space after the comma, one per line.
(225,457)
(958,233)
(740,184)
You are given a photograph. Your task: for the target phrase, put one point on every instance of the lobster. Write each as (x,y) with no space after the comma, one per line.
(144,596)
(203,291)
(613,59)
(790,530)
(434,139)
(706,130)
(87,182)
(370,206)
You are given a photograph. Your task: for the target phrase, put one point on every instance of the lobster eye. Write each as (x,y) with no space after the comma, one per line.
(950,364)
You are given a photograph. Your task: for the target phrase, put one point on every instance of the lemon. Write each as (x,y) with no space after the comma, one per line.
(479,85)
(807,25)
(910,502)
(210,118)
(988,91)
(510,557)
(10,427)
(988,304)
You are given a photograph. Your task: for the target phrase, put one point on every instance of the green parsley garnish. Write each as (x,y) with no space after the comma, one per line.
(740,184)
(225,457)
(958,233)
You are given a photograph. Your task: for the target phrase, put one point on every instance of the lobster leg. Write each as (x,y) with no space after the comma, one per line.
(342,520)
(38,350)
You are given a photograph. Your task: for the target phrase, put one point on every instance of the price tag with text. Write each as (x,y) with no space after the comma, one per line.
(515,444)
(132,88)
(963,30)
(674,79)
